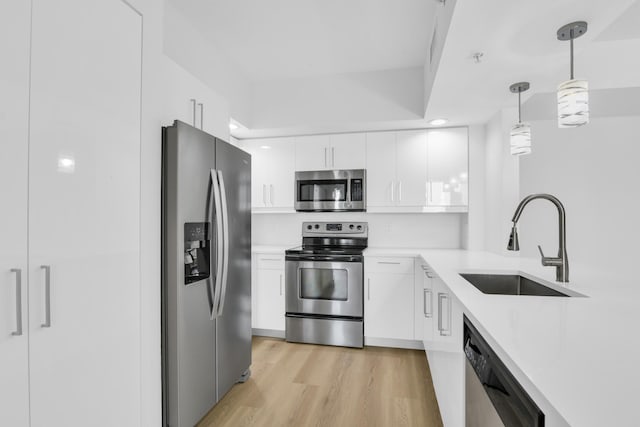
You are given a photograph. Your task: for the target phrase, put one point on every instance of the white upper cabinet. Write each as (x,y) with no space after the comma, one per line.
(272,172)
(325,152)
(417,171)
(411,166)
(447,167)
(381,169)
(348,151)
(313,153)
(189,100)
(397,169)
(14,129)
(84,214)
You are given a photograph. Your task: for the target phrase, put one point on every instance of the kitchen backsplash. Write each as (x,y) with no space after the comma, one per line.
(385,230)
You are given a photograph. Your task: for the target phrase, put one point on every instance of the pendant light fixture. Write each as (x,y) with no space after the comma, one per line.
(573,95)
(520,132)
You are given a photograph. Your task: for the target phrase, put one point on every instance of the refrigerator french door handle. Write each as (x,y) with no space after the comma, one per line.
(225,239)
(217,211)
(18,330)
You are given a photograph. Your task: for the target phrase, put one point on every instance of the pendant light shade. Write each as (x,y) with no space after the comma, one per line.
(573,103)
(520,137)
(573,95)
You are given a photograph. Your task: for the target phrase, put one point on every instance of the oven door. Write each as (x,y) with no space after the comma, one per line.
(325,288)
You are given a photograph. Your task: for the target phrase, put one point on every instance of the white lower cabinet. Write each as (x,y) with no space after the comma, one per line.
(69,256)
(388,303)
(423,303)
(442,338)
(268,292)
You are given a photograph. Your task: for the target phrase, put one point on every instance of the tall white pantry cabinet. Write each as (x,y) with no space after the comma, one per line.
(69,224)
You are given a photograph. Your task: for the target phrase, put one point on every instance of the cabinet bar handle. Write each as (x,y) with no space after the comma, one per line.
(264,194)
(444,331)
(399,191)
(201,115)
(271,259)
(47,295)
(389,262)
(368,289)
(325,157)
(271,194)
(281,285)
(193,102)
(393,196)
(424,296)
(18,330)
(333,157)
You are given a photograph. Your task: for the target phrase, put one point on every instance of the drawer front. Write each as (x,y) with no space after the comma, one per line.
(395,265)
(270,262)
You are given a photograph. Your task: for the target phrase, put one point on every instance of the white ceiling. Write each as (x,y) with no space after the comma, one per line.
(518,39)
(281,39)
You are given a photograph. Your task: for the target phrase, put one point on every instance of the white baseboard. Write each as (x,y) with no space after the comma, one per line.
(273,333)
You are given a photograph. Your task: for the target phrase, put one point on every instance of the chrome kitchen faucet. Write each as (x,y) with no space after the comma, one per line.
(561,262)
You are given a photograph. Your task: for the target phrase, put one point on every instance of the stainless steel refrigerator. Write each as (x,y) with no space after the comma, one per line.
(206,271)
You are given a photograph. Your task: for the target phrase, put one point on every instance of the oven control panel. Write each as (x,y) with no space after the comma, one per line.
(359,229)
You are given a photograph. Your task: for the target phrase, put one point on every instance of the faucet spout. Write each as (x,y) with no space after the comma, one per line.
(561,262)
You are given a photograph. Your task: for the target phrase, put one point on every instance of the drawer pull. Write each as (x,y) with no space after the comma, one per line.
(389,262)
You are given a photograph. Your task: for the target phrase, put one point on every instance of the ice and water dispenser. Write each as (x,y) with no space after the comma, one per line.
(197,246)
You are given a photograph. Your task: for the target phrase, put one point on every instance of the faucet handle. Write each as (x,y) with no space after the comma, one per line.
(549,261)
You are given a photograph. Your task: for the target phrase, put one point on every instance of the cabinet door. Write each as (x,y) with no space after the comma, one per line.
(313,153)
(424,307)
(447,166)
(412,168)
(272,172)
(348,151)
(269,293)
(388,307)
(381,169)
(14,127)
(447,335)
(84,214)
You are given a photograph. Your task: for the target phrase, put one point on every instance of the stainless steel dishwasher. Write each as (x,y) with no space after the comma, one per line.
(493,396)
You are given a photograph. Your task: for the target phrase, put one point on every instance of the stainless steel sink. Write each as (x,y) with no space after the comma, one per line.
(509,284)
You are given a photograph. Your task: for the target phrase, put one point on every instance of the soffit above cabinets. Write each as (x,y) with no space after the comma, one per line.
(518,42)
(284,39)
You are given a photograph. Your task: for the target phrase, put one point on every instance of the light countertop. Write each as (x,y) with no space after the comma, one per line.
(580,355)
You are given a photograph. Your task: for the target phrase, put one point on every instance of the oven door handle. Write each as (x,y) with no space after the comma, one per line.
(324,258)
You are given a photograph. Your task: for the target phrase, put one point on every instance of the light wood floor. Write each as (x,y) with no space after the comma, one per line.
(309,385)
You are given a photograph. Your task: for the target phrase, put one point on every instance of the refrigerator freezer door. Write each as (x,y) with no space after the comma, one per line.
(189,334)
(233,327)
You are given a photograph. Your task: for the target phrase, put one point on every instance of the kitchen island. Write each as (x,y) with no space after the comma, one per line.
(575,356)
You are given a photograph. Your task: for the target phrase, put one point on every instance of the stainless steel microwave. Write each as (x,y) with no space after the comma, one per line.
(330,190)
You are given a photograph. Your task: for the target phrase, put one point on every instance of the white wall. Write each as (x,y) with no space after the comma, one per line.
(204,60)
(385,230)
(442,18)
(473,226)
(345,98)
(594,171)
(501,182)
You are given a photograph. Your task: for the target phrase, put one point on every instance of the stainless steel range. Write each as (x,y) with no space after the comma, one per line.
(325,284)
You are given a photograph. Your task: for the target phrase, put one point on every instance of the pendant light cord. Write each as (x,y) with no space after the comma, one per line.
(571,54)
(519,106)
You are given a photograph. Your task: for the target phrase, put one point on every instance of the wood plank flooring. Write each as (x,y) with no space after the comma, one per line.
(308,385)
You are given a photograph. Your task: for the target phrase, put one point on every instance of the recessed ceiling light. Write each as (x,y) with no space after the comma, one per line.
(438,122)
(233,126)
(265,147)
